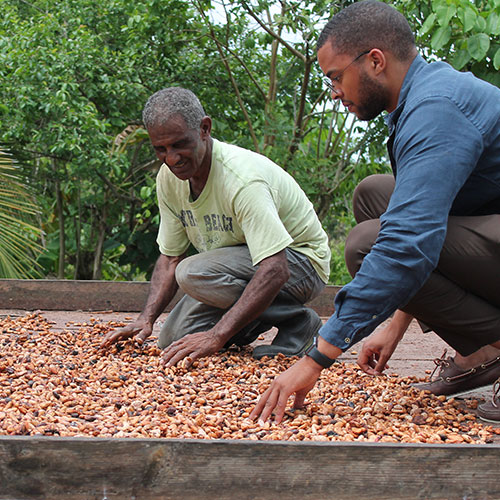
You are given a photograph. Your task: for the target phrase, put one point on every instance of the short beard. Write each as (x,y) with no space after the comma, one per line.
(373,97)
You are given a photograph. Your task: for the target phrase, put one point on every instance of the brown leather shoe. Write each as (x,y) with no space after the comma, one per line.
(490,411)
(453,381)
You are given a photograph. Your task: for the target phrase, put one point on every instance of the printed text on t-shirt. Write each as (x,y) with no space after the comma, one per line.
(213,222)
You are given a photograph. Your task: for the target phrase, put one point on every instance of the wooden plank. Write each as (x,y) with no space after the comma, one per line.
(93,468)
(74,295)
(323,303)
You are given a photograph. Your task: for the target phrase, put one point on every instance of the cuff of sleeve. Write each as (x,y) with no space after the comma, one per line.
(340,334)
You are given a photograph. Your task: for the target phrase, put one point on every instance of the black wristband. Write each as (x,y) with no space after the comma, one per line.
(319,357)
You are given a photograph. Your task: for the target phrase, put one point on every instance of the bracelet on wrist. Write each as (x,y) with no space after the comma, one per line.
(319,357)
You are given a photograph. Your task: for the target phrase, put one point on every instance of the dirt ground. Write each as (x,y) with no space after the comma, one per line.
(414,355)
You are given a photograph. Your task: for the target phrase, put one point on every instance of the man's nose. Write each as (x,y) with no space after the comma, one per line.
(171,158)
(337,93)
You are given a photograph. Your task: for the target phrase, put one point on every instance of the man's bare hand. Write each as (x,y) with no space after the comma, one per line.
(192,346)
(140,329)
(376,351)
(380,345)
(300,378)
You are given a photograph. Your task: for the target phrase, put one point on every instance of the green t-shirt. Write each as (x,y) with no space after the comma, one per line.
(247,199)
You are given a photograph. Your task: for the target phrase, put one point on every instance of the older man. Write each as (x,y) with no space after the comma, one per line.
(428,239)
(262,251)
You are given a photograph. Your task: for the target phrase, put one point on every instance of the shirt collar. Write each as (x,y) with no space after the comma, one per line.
(392,118)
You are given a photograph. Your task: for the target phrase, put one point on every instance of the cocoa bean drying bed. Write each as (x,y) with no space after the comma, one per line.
(106,468)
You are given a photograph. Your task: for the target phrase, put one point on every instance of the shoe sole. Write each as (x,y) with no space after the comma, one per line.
(468,391)
(299,353)
(489,420)
(288,355)
(461,393)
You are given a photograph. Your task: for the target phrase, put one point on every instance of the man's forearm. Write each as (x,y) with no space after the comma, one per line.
(258,295)
(399,323)
(396,328)
(163,287)
(329,350)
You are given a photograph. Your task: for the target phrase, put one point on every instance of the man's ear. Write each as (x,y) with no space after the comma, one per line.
(205,127)
(377,60)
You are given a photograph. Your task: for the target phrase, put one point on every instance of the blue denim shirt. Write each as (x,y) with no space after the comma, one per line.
(446,160)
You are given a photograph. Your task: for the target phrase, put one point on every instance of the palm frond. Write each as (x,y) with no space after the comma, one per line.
(19,236)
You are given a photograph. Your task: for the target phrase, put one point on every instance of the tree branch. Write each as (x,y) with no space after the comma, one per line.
(245,67)
(231,77)
(275,35)
(33,6)
(113,189)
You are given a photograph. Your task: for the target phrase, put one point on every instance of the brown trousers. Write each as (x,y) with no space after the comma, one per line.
(461,299)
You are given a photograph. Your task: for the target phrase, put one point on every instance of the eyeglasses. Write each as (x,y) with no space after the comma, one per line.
(330,82)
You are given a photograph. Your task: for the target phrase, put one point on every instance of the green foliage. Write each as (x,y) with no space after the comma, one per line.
(463,32)
(339,275)
(19,235)
(76,73)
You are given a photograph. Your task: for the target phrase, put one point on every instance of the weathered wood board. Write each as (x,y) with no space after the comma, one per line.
(79,468)
(73,295)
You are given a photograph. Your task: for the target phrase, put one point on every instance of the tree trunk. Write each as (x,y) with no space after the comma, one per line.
(60,217)
(78,229)
(99,251)
(298,126)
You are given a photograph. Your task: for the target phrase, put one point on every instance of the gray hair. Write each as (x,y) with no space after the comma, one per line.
(367,25)
(165,103)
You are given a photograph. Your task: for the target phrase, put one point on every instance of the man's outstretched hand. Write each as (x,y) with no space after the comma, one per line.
(191,347)
(140,329)
(378,348)
(374,354)
(300,378)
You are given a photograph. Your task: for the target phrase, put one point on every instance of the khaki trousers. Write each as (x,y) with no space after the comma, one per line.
(460,301)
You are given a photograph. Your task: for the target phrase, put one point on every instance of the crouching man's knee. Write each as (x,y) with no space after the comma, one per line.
(189,273)
(371,196)
(201,280)
(359,243)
